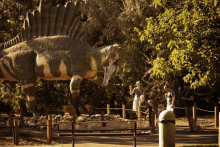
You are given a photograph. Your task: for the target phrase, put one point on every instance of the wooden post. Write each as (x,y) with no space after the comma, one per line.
(108,108)
(156,112)
(102,115)
(87,107)
(73,136)
(49,129)
(16,138)
(131,115)
(139,113)
(152,122)
(135,133)
(21,117)
(123,111)
(219,131)
(17,111)
(47,113)
(10,123)
(216,116)
(65,109)
(131,118)
(74,118)
(194,113)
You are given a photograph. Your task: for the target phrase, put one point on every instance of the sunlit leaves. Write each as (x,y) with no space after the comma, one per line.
(191,31)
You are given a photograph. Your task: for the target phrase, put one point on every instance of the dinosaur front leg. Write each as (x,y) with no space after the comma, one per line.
(75,92)
(22,100)
(29,89)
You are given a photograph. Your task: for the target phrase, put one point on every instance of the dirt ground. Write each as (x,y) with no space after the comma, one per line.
(35,137)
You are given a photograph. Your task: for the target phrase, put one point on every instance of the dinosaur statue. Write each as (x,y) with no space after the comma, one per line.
(52,45)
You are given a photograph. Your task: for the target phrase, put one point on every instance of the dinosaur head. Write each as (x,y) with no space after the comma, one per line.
(111,71)
(111,54)
(110,62)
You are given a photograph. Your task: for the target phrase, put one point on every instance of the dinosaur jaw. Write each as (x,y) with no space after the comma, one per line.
(110,71)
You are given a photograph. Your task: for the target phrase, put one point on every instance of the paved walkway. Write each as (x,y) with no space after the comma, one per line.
(207,136)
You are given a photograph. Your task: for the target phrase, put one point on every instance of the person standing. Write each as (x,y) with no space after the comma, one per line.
(170,97)
(139,90)
(188,97)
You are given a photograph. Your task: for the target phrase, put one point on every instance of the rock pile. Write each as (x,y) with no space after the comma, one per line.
(83,122)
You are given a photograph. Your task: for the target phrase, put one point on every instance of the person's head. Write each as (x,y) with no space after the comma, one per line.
(166,87)
(138,84)
(160,106)
(151,102)
(142,98)
(187,85)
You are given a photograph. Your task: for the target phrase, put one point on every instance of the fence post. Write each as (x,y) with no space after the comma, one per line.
(65,109)
(87,107)
(123,111)
(47,113)
(102,115)
(74,118)
(49,129)
(73,136)
(108,108)
(135,133)
(21,117)
(10,122)
(16,139)
(219,131)
(155,120)
(216,116)
(131,115)
(131,118)
(152,122)
(139,113)
(17,111)
(194,113)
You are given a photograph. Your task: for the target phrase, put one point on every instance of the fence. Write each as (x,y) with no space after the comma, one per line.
(216,113)
(73,134)
(152,121)
(12,130)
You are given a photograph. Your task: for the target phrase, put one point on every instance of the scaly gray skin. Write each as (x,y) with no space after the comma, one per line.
(54,47)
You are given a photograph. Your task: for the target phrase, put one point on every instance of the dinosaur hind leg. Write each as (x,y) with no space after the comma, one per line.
(29,89)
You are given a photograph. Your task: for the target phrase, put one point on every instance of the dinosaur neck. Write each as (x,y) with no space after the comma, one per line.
(97,56)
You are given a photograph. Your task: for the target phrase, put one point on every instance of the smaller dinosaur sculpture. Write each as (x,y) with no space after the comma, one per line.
(52,45)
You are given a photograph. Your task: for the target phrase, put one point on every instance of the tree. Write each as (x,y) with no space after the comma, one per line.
(190,31)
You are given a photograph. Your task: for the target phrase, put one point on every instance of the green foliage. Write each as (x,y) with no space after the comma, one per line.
(52,94)
(107,22)
(10,94)
(190,31)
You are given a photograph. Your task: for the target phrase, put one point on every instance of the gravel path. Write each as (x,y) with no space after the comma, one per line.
(35,137)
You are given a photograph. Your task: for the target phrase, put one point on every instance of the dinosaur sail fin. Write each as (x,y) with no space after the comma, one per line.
(51,21)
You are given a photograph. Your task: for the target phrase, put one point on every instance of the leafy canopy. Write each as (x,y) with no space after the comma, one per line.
(190,31)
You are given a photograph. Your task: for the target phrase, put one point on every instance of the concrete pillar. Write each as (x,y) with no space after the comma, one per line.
(167,129)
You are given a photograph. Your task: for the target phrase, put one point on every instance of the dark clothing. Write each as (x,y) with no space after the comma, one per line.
(187,94)
(144,103)
(151,108)
(189,112)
